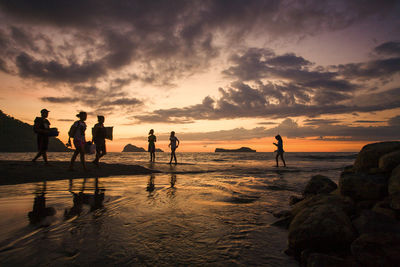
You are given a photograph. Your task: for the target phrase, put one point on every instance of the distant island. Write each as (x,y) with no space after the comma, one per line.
(133,148)
(18,136)
(242,149)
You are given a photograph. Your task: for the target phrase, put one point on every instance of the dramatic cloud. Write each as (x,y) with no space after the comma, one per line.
(290,129)
(389,48)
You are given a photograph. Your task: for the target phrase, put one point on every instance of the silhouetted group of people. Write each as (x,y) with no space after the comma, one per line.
(77,133)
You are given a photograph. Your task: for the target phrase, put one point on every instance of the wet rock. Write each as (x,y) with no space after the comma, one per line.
(283,223)
(369,155)
(377,249)
(319,184)
(281,213)
(389,161)
(324,260)
(294,199)
(383,207)
(395,202)
(394,181)
(344,203)
(321,228)
(372,222)
(362,186)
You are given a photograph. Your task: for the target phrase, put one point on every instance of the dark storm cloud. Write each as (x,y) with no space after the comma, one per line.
(389,48)
(56,72)
(395,121)
(382,68)
(367,121)
(60,100)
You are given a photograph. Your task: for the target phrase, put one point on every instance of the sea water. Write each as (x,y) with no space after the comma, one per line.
(209,209)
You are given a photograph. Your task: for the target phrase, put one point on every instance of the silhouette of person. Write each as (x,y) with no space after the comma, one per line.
(99,138)
(174,144)
(79,140)
(280,150)
(42,127)
(152,146)
(150,185)
(40,211)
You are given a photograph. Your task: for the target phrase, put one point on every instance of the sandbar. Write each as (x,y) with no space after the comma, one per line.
(18,172)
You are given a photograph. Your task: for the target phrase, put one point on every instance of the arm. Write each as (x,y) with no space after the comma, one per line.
(275,144)
(177,141)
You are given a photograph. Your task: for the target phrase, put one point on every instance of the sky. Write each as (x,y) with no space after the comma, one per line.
(230,73)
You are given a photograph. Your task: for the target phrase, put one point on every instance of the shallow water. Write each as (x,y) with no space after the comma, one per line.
(215,209)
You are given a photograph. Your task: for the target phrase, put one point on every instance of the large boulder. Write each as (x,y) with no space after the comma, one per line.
(389,161)
(395,202)
(321,228)
(377,249)
(394,181)
(362,186)
(370,154)
(319,184)
(372,222)
(324,260)
(344,203)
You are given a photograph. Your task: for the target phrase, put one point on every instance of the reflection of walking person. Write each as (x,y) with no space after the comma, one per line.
(152,146)
(279,150)
(42,127)
(174,144)
(99,138)
(78,133)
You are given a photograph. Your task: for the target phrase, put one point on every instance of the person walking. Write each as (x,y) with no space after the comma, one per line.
(280,150)
(99,139)
(174,144)
(42,128)
(78,132)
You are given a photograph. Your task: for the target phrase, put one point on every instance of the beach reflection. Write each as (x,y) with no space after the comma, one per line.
(40,212)
(81,198)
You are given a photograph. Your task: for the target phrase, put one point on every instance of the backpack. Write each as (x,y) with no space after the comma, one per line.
(72,130)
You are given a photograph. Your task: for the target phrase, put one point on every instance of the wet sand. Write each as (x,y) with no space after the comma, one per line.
(18,172)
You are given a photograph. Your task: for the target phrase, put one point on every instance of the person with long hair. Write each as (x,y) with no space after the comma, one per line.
(152,139)
(280,150)
(79,139)
(173,144)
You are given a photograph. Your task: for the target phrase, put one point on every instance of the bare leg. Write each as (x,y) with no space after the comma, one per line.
(45,156)
(277,160)
(82,156)
(284,163)
(37,156)
(175,157)
(76,152)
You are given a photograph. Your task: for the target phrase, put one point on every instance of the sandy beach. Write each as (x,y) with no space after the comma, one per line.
(18,172)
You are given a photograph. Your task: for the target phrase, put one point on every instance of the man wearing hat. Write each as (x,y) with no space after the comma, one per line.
(42,127)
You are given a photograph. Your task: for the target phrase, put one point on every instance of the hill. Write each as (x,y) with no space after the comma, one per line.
(242,149)
(18,136)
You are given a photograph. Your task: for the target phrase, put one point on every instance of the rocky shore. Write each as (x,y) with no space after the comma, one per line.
(354,223)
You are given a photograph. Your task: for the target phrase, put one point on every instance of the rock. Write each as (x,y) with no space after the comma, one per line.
(132,148)
(294,199)
(383,207)
(324,260)
(281,213)
(370,154)
(377,249)
(395,202)
(389,161)
(372,222)
(242,149)
(321,228)
(362,186)
(319,184)
(394,181)
(283,223)
(344,203)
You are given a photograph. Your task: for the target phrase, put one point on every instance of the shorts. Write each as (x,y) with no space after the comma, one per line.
(42,142)
(100,145)
(152,148)
(79,144)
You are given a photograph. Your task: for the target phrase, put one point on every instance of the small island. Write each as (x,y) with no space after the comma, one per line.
(133,148)
(242,149)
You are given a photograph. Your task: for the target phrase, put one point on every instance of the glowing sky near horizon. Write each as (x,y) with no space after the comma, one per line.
(323,74)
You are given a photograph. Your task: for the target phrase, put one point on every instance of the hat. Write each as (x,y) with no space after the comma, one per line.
(80,114)
(44,111)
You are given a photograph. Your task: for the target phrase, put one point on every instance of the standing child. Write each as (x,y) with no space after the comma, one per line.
(42,127)
(152,139)
(79,128)
(99,138)
(279,150)
(174,144)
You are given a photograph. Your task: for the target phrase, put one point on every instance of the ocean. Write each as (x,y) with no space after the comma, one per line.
(212,209)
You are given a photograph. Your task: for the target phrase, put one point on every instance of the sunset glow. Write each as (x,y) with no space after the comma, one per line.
(324,75)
